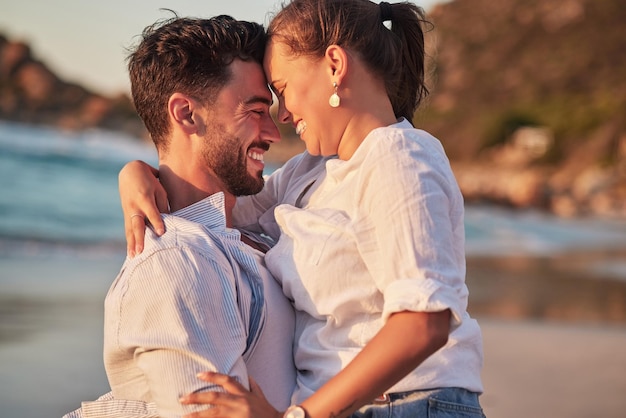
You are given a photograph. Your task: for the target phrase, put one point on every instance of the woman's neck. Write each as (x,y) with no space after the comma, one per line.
(359,127)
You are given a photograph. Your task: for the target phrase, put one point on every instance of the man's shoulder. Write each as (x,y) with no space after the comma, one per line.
(183,241)
(180,232)
(186,252)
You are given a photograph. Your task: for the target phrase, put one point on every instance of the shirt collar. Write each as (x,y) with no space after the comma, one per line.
(209,211)
(402,123)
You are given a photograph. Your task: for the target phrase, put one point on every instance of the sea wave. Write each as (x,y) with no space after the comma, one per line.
(498,231)
(60,188)
(94,145)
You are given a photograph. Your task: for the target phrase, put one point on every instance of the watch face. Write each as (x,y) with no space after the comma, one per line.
(295,412)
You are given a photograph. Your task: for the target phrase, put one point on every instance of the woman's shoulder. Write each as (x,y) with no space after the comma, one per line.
(402,142)
(303,162)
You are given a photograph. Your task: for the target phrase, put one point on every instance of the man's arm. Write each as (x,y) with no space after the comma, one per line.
(177,315)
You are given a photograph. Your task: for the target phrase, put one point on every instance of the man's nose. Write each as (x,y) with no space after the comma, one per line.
(269,130)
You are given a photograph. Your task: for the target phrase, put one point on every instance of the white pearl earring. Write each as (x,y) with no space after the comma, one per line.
(334,100)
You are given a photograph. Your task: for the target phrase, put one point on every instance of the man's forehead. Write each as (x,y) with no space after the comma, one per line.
(248,76)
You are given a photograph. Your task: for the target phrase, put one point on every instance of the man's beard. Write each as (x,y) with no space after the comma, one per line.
(229,162)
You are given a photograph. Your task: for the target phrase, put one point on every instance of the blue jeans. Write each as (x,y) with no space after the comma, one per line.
(436,403)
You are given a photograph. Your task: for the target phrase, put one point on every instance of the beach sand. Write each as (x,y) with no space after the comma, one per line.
(554,333)
(553,370)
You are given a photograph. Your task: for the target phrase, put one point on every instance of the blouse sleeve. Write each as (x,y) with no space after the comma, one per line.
(412,232)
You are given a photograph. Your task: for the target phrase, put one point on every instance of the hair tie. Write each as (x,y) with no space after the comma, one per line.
(385,11)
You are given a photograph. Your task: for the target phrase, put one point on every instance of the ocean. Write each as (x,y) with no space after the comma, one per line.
(62,243)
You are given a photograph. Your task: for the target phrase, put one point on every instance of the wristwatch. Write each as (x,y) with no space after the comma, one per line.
(295,411)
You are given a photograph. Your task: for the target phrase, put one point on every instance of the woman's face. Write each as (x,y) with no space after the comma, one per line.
(303,86)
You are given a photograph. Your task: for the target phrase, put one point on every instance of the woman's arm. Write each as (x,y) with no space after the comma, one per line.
(142,197)
(402,344)
(385,360)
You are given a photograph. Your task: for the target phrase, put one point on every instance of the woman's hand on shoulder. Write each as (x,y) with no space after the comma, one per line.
(143,198)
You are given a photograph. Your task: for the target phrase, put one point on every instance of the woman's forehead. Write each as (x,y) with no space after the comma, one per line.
(276,58)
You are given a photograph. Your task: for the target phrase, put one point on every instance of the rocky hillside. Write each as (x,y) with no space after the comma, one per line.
(31,93)
(529,98)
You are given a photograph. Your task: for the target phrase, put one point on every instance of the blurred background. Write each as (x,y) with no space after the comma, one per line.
(527,96)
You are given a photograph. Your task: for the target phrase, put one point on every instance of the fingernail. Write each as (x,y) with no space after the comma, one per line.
(160,231)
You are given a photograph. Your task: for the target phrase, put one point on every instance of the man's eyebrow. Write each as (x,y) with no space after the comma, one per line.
(258,99)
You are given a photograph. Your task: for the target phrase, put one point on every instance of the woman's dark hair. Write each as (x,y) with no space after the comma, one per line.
(396,55)
(189,56)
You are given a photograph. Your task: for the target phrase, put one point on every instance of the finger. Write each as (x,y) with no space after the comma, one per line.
(154,219)
(130,237)
(219,400)
(203,398)
(228,383)
(205,413)
(217,412)
(138,226)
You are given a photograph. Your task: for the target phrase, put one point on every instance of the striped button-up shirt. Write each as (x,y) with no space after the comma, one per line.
(192,301)
(195,299)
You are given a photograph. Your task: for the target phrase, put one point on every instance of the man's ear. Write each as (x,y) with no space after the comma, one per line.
(336,59)
(180,109)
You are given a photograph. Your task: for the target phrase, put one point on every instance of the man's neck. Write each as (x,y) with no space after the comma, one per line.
(186,187)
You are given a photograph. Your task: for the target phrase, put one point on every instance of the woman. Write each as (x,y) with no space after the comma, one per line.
(373,260)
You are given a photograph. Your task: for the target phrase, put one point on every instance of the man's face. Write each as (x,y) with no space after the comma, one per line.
(239,129)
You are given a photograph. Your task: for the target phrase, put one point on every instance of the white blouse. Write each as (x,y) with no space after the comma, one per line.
(381,233)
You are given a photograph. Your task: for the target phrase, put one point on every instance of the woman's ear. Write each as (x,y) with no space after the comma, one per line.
(337,60)
(180,109)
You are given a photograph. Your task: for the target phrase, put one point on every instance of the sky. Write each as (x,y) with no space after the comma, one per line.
(85,41)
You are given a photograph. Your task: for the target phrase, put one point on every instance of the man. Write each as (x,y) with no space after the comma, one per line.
(198,298)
